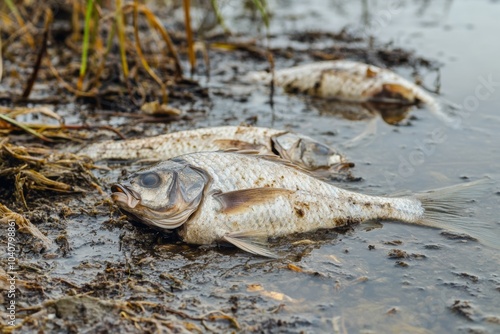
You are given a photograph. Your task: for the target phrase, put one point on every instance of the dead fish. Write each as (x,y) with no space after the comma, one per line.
(243,199)
(296,148)
(351,81)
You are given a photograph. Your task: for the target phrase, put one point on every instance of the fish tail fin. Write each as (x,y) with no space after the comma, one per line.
(445,208)
(436,108)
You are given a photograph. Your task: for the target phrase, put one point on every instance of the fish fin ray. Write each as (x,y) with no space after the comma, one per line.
(436,108)
(241,200)
(444,208)
(368,134)
(254,242)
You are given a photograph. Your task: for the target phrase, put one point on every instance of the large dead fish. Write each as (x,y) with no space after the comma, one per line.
(243,199)
(296,148)
(351,81)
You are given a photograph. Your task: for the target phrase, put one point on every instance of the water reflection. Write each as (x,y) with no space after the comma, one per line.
(393,114)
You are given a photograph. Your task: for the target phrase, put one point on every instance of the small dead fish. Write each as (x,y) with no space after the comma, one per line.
(243,199)
(296,148)
(351,81)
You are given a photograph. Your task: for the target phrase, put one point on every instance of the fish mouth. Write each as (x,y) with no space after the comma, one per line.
(124,196)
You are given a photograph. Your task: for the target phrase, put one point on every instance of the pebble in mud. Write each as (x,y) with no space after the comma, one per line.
(397,254)
(457,236)
(464,308)
(402,264)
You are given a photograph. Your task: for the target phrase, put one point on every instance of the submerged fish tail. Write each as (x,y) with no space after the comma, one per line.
(435,107)
(445,209)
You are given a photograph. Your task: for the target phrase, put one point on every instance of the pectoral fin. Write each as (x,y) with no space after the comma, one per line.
(254,242)
(241,200)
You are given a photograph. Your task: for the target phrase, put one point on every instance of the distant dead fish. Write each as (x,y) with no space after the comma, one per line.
(351,81)
(243,199)
(296,148)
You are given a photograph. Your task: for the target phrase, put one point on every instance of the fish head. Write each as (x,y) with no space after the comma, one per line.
(163,196)
(305,151)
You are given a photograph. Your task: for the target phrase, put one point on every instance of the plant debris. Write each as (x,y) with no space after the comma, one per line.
(28,170)
(23,224)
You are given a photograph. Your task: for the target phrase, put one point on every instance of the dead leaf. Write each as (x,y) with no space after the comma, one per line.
(156,109)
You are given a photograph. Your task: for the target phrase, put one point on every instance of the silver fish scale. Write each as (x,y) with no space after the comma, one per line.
(311,204)
(235,171)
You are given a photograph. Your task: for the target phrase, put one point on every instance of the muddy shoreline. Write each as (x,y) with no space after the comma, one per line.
(102,273)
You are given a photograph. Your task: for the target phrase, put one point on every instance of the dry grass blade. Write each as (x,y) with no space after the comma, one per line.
(156,23)
(66,85)
(221,315)
(272,87)
(20,154)
(23,224)
(41,53)
(246,46)
(1,59)
(85,47)
(220,19)
(109,44)
(43,183)
(9,116)
(4,281)
(50,130)
(262,7)
(120,28)
(144,62)
(20,21)
(75,20)
(23,127)
(24,111)
(25,168)
(189,35)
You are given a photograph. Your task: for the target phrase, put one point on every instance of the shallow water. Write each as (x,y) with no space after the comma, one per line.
(347,283)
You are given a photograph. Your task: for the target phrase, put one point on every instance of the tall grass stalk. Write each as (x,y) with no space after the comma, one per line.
(20,21)
(120,28)
(85,46)
(189,35)
(262,7)
(144,62)
(220,19)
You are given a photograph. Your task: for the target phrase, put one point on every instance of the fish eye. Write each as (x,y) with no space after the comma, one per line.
(150,180)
